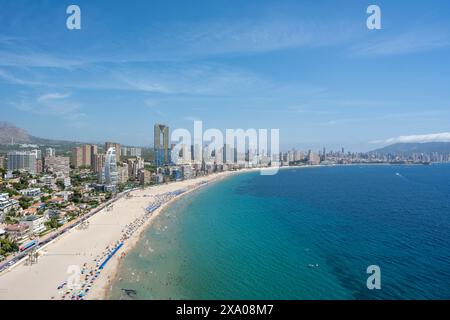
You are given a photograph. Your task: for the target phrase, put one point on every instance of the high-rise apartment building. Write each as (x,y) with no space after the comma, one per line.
(83,156)
(134,166)
(313,158)
(98,163)
(144,177)
(86,155)
(94,152)
(76,159)
(123,173)
(131,152)
(22,161)
(161,145)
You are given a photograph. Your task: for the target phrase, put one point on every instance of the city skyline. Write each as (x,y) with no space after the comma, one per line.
(317,74)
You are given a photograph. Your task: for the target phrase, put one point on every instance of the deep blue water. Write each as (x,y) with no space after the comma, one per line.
(254,237)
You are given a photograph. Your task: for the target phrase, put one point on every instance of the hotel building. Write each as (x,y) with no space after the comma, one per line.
(161,145)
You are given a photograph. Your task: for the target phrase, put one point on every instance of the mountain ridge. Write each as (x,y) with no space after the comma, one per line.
(414,147)
(10,134)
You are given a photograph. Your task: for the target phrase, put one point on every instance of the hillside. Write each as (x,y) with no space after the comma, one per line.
(9,133)
(410,148)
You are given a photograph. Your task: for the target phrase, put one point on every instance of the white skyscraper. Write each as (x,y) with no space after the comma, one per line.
(110,173)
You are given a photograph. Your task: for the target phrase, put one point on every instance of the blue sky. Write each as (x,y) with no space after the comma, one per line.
(310,68)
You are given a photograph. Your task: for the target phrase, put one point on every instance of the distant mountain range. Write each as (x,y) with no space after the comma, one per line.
(410,148)
(9,133)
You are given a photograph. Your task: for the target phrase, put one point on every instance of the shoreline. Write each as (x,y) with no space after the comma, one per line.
(104,285)
(83,248)
(102,290)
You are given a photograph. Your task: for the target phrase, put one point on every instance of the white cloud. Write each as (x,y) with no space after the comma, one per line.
(409,42)
(33,59)
(6,76)
(55,105)
(53,96)
(419,138)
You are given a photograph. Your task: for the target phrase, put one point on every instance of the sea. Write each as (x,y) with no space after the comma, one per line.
(303,234)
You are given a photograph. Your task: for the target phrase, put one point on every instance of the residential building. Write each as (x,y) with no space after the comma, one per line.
(313,158)
(158,178)
(123,173)
(48,181)
(82,156)
(22,161)
(6,205)
(188,172)
(50,152)
(36,224)
(131,152)
(53,164)
(99,163)
(76,159)
(144,177)
(94,152)
(18,232)
(134,166)
(161,145)
(31,193)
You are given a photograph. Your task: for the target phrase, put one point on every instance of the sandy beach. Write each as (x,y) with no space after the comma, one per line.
(87,248)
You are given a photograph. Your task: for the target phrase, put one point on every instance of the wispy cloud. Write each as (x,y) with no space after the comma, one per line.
(168,78)
(52,96)
(401,116)
(10,78)
(418,138)
(408,42)
(188,79)
(54,105)
(243,37)
(35,59)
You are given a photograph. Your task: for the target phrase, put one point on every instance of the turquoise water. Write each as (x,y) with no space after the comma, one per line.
(255,237)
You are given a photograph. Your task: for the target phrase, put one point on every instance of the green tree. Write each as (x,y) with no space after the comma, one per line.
(8,246)
(44,199)
(53,223)
(61,185)
(77,197)
(25,203)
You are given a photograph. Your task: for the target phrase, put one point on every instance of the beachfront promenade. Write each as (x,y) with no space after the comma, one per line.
(95,250)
